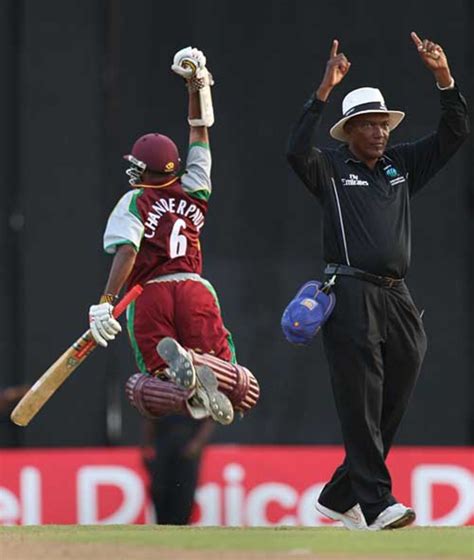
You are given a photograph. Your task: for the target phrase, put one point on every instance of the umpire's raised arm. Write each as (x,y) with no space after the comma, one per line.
(306,160)
(424,158)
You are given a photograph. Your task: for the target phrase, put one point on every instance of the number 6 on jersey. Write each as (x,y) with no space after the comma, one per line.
(178,242)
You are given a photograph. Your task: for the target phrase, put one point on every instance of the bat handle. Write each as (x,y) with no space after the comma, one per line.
(127,299)
(121,306)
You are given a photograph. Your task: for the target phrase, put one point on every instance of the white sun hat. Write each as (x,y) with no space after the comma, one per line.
(360,101)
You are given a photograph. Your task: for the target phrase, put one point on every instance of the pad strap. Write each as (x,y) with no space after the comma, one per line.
(153,397)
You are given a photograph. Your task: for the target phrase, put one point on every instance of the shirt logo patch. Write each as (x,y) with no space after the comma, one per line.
(393,175)
(354,181)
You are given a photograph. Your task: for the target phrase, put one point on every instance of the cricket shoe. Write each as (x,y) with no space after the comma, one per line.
(352,519)
(181,369)
(393,517)
(207,399)
(216,403)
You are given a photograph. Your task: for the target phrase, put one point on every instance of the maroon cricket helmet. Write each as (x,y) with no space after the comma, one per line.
(155,152)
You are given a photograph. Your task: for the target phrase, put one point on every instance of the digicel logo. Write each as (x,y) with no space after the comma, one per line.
(24,509)
(276,503)
(102,487)
(269,503)
(27,508)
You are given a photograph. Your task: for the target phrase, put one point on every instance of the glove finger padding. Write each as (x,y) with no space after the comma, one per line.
(97,336)
(185,73)
(103,325)
(103,332)
(199,57)
(110,326)
(187,61)
(182,53)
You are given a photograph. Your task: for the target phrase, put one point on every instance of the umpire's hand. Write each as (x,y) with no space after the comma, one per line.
(434,59)
(336,68)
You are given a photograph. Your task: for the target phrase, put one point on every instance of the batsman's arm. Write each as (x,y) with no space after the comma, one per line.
(190,64)
(122,265)
(104,327)
(196,133)
(196,180)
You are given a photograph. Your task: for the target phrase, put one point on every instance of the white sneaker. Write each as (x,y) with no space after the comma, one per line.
(393,517)
(352,519)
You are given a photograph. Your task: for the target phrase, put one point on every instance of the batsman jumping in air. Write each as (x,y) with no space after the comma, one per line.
(185,354)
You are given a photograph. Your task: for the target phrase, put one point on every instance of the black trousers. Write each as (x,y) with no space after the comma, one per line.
(375,344)
(173,480)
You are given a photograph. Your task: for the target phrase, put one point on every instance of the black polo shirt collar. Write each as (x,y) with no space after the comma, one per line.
(350,157)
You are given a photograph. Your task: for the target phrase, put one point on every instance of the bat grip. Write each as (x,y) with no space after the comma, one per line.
(121,306)
(127,299)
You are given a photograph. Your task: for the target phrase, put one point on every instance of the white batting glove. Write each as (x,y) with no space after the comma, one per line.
(103,325)
(188,61)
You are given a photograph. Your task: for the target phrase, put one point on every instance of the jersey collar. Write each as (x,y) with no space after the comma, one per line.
(349,156)
(162,186)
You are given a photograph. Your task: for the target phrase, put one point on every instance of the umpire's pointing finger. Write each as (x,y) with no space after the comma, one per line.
(418,42)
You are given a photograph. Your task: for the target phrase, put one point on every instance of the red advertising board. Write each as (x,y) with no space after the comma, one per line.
(239,485)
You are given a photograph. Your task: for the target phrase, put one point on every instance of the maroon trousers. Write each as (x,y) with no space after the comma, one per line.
(187,311)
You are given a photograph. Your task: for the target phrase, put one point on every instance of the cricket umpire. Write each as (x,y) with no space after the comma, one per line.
(374,340)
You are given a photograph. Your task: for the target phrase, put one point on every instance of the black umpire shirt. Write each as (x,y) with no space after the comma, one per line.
(366,220)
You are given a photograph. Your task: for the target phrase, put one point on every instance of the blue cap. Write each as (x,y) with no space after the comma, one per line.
(307,313)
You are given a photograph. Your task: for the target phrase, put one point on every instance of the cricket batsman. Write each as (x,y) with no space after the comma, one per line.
(184,352)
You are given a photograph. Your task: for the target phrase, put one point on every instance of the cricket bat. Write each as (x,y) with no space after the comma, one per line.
(54,377)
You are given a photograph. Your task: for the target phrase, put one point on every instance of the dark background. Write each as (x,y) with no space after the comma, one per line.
(82,79)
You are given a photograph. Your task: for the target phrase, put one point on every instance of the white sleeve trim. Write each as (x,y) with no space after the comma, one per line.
(198,170)
(123,226)
(451,86)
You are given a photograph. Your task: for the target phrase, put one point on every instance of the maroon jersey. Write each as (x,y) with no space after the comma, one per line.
(164,223)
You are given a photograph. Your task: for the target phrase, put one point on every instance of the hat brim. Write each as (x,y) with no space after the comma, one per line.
(338,132)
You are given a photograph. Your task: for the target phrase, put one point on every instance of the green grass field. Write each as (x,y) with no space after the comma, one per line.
(407,543)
